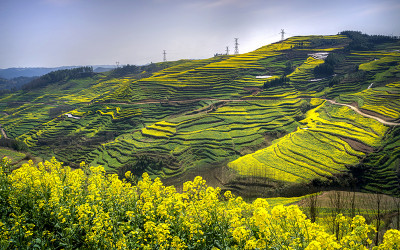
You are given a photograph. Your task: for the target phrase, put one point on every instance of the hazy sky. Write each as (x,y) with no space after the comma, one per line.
(91,32)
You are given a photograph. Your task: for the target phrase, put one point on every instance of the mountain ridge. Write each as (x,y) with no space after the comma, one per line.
(14,72)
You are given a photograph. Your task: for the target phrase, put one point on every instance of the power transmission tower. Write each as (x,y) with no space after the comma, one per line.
(117,63)
(165,56)
(282,34)
(227,50)
(236,46)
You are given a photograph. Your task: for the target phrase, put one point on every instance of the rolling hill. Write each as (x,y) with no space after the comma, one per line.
(318,110)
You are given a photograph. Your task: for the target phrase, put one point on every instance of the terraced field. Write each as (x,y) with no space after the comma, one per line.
(382,101)
(225,118)
(195,139)
(321,147)
(12,155)
(381,167)
(212,77)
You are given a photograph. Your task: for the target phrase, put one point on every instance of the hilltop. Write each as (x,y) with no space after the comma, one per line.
(309,111)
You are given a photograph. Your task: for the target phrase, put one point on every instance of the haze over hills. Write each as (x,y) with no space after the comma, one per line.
(10,73)
(310,110)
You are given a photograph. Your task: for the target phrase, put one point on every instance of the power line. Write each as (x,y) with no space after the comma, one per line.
(165,56)
(282,34)
(236,46)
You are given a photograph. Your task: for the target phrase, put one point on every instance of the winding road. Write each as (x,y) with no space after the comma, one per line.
(364,114)
(3,133)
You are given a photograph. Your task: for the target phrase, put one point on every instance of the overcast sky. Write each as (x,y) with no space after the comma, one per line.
(50,33)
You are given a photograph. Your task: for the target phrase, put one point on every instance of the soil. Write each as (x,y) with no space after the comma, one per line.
(253,90)
(359,146)
(4,133)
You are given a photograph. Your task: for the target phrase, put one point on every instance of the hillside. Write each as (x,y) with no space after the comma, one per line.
(313,109)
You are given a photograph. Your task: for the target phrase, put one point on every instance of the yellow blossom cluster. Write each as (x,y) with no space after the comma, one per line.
(50,206)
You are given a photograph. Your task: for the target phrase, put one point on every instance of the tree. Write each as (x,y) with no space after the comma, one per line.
(328,67)
(59,75)
(276,82)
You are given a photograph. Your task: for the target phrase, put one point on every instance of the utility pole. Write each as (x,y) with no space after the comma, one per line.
(236,46)
(282,34)
(227,50)
(165,56)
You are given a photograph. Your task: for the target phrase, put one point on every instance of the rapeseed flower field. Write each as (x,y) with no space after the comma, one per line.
(49,205)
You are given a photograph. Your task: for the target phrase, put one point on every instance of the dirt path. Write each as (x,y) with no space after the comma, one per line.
(364,114)
(3,133)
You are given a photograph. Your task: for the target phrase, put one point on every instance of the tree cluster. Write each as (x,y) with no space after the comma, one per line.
(59,75)
(289,68)
(13,143)
(328,67)
(276,82)
(144,71)
(360,41)
(125,70)
(14,84)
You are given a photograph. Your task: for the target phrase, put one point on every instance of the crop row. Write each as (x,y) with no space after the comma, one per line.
(209,137)
(383,166)
(210,77)
(381,100)
(315,150)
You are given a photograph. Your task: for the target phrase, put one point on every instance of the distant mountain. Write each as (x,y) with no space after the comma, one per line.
(30,72)
(16,83)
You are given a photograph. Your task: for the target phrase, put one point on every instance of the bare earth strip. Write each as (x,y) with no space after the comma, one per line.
(4,133)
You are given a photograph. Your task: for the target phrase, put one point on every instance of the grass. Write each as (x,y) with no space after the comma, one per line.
(13,155)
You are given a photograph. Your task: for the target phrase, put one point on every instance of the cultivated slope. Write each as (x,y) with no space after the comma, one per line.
(233,119)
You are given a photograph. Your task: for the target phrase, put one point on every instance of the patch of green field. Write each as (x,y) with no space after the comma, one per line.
(12,155)
(381,168)
(209,137)
(315,150)
(285,201)
(382,100)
